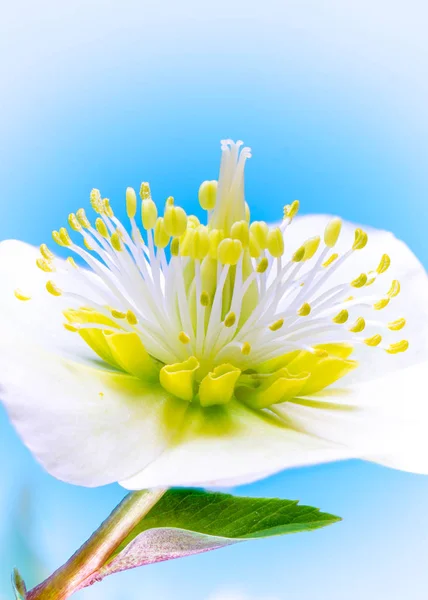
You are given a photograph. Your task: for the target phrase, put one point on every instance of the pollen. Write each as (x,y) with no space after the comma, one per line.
(204,299)
(397,347)
(397,325)
(246,348)
(19,294)
(330,260)
(230,320)
(360,281)
(131,318)
(375,340)
(183,337)
(341,317)
(304,310)
(358,326)
(53,289)
(277,325)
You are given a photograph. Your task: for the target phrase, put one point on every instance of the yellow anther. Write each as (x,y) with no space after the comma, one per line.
(175,247)
(360,240)
(341,317)
(204,299)
(360,281)
(53,289)
(71,262)
(330,260)
(131,202)
(69,327)
(304,310)
(394,290)
(358,326)
(161,237)
(74,222)
(183,337)
(169,201)
(291,210)
(95,200)
(44,265)
(332,232)
(275,242)
(349,298)
(246,348)
(375,340)
(398,347)
(200,243)
(145,193)
(193,221)
(207,194)
(263,265)
(46,253)
(229,251)
(101,227)
(87,244)
(116,241)
(381,304)
(230,320)
(311,246)
(175,220)
(240,231)
(247,213)
(149,213)
(396,325)
(131,317)
(186,242)
(254,248)
(277,325)
(107,209)
(260,231)
(64,237)
(82,218)
(118,314)
(215,237)
(299,254)
(19,294)
(384,264)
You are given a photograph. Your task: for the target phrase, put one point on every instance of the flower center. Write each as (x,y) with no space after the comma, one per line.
(218,310)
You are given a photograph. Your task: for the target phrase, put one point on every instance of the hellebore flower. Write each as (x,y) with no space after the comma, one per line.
(189,354)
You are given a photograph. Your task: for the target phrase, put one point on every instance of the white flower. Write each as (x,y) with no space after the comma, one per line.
(195,355)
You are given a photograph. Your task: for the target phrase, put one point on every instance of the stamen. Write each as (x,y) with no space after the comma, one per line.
(358,326)
(44,265)
(230,320)
(397,325)
(21,296)
(246,348)
(183,337)
(398,347)
(277,325)
(341,317)
(360,281)
(46,253)
(330,260)
(53,289)
(304,310)
(205,299)
(375,340)
(131,318)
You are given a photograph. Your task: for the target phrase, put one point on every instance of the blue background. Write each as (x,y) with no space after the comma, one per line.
(332,96)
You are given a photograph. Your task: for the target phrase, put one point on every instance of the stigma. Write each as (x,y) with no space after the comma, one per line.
(222,309)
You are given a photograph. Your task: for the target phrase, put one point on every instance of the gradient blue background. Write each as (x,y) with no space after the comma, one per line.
(332,96)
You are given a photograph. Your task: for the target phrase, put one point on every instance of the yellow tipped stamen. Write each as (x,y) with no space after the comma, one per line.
(291,210)
(193,221)
(44,265)
(46,253)
(95,200)
(169,201)
(101,227)
(72,262)
(145,192)
(304,310)
(397,325)
(82,218)
(131,318)
(131,202)
(240,231)
(53,289)
(215,236)
(246,348)
(204,299)
(349,298)
(87,244)
(116,241)
(398,347)
(149,213)
(384,264)
(360,240)
(57,238)
(230,320)
(229,251)
(207,194)
(183,337)
(118,314)
(330,260)
(332,232)
(64,237)
(21,296)
(263,265)
(381,304)
(358,326)
(74,222)
(175,220)
(275,242)
(255,250)
(175,247)
(277,325)
(200,243)
(311,246)
(360,281)
(260,231)
(370,280)
(161,236)
(299,254)
(394,290)
(341,317)
(107,208)
(375,340)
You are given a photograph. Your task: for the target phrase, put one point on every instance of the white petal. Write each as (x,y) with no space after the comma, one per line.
(232,446)
(411,303)
(85,425)
(382,420)
(40,319)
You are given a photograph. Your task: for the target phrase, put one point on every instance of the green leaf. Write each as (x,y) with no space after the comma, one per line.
(18,586)
(189,521)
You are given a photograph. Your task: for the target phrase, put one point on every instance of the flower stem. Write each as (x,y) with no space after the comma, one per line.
(85,563)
